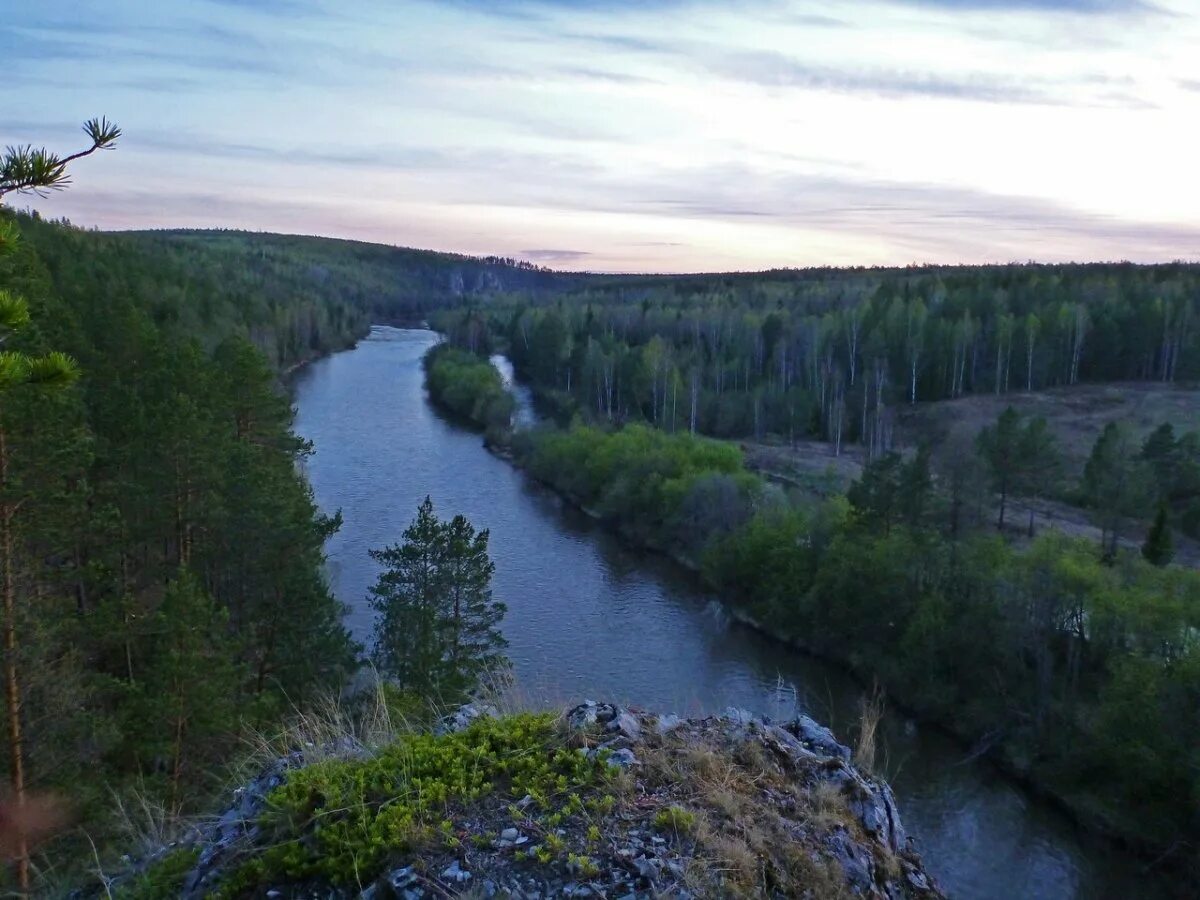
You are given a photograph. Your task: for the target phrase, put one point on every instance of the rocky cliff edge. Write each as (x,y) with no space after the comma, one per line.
(598,801)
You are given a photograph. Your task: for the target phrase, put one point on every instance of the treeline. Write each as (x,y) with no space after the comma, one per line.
(468,386)
(380,283)
(829,353)
(1081,674)
(284,305)
(163,553)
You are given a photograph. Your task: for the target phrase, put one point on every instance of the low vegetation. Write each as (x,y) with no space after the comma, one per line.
(468,386)
(342,821)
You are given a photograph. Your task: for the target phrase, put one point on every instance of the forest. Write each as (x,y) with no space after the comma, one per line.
(1070,660)
(1075,669)
(830,353)
(162,552)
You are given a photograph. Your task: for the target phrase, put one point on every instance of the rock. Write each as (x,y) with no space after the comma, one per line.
(626,724)
(917,879)
(631,857)
(582,715)
(455,874)
(623,759)
(398,881)
(649,867)
(875,808)
(855,861)
(818,738)
(739,716)
(462,718)
(786,744)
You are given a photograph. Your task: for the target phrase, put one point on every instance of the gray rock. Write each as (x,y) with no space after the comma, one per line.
(623,759)
(649,867)
(583,715)
(785,743)
(875,807)
(855,861)
(740,716)
(462,718)
(818,738)
(455,874)
(626,724)
(399,879)
(509,834)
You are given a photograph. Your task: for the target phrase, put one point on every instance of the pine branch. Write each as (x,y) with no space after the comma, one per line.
(26,169)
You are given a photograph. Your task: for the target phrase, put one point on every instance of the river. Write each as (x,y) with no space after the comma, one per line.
(588,617)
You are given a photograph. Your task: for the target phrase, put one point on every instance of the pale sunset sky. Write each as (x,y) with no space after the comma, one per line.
(616,135)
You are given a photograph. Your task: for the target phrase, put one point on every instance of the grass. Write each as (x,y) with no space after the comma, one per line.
(741,845)
(163,880)
(866,748)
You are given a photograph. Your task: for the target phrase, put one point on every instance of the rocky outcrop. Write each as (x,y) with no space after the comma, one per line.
(653,806)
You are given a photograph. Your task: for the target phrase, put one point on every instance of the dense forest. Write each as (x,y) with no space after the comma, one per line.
(163,555)
(293,297)
(830,353)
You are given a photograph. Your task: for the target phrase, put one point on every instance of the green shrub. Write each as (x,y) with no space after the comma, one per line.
(343,820)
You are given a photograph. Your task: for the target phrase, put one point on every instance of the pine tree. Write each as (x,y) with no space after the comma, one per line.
(1040,463)
(190,686)
(18,371)
(407,597)
(476,642)
(437,631)
(1000,445)
(1159,547)
(1115,483)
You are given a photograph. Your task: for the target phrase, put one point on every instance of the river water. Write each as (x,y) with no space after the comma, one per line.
(588,617)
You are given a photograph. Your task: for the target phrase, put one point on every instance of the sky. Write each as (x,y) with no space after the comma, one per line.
(630,135)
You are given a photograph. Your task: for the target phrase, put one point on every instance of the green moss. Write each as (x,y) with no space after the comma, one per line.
(163,880)
(344,821)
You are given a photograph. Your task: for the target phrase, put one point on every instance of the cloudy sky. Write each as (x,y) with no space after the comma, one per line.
(632,135)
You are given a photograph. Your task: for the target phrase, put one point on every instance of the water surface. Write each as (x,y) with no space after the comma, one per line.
(588,617)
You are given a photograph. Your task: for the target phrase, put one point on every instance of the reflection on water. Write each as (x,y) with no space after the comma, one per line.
(587,617)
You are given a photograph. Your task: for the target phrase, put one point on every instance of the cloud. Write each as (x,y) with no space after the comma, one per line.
(777,70)
(780,71)
(555,256)
(1084,7)
(589,74)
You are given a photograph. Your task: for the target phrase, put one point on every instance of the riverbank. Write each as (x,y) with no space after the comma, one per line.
(1006,754)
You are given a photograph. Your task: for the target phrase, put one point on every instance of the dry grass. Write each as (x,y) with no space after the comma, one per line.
(745,846)
(145,824)
(866,748)
(827,807)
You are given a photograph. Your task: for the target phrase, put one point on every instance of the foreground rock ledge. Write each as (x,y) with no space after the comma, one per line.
(724,806)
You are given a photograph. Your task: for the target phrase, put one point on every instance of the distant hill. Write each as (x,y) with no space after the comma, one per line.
(295,297)
(385,282)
